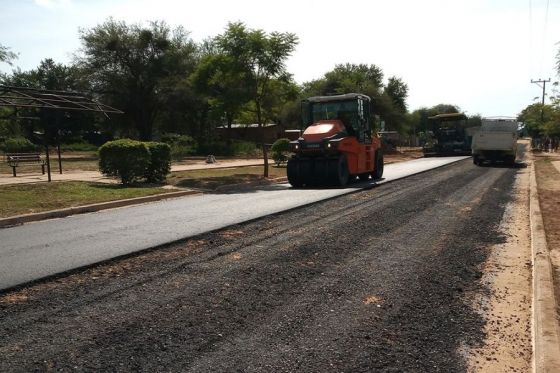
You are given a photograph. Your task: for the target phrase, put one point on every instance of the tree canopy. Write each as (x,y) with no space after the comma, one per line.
(137,68)
(166,83)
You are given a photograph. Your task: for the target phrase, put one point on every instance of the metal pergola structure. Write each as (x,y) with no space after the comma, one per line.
(24,97)
(63,101)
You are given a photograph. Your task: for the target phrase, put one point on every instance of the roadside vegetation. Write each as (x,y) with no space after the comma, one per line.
(31,198)
(184,93)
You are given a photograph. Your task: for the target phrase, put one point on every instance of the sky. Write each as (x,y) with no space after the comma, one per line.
(478,54)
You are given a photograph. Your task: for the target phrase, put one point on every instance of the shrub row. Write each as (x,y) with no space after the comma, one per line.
(135,160)
(18,145)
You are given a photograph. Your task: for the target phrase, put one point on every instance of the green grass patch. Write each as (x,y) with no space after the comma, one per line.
(81,162)
(214,178)
(30,198)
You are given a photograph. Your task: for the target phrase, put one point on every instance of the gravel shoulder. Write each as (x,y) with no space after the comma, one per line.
(380,280)
(506,304)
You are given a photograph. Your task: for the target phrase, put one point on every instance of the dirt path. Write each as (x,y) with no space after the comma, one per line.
(506,305)
(381,280)
(547,167)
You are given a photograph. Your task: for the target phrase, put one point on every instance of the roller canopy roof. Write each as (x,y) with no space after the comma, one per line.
(347,96)
(450,116)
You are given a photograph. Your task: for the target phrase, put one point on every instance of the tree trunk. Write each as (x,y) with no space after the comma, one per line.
(229,119)
(265,156)
(263,144)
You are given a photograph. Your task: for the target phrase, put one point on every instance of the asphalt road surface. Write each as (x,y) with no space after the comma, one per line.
(370,281)
(37,250)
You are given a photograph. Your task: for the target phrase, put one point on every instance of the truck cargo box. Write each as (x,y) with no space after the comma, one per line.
(495,141)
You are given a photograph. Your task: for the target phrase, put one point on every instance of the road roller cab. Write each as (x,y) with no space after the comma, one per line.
(338,143)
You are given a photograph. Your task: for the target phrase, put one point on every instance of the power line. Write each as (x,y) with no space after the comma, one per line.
(545,27)
(531,58)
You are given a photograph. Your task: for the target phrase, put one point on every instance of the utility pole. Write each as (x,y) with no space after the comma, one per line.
(543,93)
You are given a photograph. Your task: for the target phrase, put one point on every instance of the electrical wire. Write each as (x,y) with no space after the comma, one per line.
(531,59)
(544,37)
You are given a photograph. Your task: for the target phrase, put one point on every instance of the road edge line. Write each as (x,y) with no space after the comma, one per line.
(545,333)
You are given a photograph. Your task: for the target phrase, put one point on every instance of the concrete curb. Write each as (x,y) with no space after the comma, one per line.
(546,336)
(27,218)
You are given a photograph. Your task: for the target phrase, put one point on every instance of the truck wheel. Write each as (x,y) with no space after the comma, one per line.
(378,171)
(342,174)
(475,160)
(294,174)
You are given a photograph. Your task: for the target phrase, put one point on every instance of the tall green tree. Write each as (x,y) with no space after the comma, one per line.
(418,119)
(346,78)
(389,102)
(136,68)
(258,58)
(397,90)
(223,82)
(549,125)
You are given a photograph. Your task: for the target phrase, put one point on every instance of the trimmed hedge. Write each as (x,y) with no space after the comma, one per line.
(279,150)
(160,161)
(127,159)
(134,160)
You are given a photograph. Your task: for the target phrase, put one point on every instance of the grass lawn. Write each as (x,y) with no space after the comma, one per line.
(214,178)
(69,164)
(29,198)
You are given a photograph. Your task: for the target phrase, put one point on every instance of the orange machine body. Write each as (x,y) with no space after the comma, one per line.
(338,143)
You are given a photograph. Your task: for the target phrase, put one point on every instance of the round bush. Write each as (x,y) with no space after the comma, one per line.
(127,159)
(279,150)
(160,161)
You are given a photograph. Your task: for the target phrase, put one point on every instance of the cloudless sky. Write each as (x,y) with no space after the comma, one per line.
(478,54)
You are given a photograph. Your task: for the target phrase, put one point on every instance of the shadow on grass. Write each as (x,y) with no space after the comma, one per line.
(213,183)
(106,186)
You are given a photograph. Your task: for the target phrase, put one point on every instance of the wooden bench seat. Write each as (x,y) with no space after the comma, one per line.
(15,159)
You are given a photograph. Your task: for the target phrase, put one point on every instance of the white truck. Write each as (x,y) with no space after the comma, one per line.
(496,141)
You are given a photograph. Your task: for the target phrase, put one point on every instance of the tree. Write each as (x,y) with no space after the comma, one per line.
(397,90)
(550,123)
(558,61)
(345,78)
(257,57)
(389,102)
(136,68)
(6,55)
(222,80)
(419,117)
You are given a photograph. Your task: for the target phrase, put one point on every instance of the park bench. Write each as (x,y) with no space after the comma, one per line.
(15,159)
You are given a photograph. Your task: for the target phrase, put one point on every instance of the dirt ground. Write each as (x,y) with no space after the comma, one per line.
(506,306)
(403,154)
(548,179)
